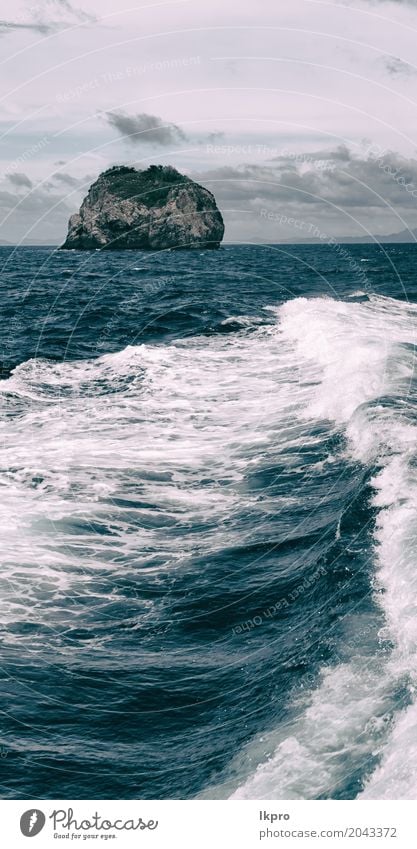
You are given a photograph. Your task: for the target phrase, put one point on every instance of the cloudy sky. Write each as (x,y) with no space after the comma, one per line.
(300,116)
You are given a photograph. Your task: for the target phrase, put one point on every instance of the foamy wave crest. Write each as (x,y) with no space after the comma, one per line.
(359,361)
(139,460)
(134,458)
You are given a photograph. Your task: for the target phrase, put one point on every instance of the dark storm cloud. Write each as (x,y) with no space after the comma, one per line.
(55,15)
(73,11)
(73,182)
(340,154)
(39,213)
(145,129)
(12,26)
(20,180)
(317,182)
(214,137)
(38,201)
(396,67)
(412,3)
(321,159)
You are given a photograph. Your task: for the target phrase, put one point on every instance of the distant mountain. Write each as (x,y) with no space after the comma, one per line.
(39,243)
(31,243)
(404,236)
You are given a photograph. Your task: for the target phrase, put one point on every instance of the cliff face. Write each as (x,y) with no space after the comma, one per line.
(154,209)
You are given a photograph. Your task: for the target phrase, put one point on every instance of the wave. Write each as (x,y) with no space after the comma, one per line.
(142,460)
(359,360)
(138,458)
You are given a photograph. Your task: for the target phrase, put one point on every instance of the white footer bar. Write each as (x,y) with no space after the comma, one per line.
(208,824)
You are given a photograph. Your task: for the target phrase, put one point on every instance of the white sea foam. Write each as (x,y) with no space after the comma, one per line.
(188,420)
(169,430)
(361,360)
(339,717)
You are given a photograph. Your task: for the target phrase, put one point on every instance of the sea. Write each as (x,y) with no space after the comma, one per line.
(208,516)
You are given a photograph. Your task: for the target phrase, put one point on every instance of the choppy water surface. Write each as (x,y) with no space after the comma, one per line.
(208,469)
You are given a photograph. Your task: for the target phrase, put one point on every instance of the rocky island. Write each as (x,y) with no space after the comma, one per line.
(154,209)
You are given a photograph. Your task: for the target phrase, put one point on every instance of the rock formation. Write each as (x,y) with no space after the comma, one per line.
(154,209)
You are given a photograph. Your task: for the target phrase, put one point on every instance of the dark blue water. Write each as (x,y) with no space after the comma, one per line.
(204,463)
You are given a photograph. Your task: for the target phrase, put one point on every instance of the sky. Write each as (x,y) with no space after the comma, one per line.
(300,117)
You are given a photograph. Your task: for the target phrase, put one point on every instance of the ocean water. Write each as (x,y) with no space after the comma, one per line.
(208,470)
